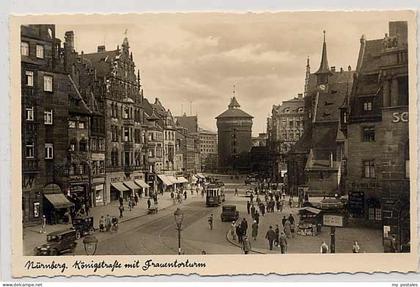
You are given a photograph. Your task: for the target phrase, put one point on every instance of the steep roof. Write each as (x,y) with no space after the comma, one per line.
(323,67)
(76,103)
(234,113)
(188,122)
(102,61)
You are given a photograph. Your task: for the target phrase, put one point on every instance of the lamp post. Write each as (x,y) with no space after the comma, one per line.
(179,217)
(90,243)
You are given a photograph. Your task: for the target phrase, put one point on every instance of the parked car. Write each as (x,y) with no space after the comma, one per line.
(57,243)
(229,213)
(83,226)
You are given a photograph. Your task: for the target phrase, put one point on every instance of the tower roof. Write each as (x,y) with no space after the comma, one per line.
(234,104)
(323,67)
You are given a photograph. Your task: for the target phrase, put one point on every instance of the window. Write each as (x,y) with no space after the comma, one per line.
(29,78)
(29,149)
(72,124)
(369,169)
(375,214)
(40,51)
(83,145)
(368,134)
(49,151)
(48,83)
(81,125)
(29,114)
(48,117)
(126,112)
(126,134)
(367,106)
(24,48)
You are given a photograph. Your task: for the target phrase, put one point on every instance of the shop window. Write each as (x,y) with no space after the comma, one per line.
(369,169)
(24,48)
(40,51)
(368,134)
(48,117)
(48,83)
(72,124)
(29,78)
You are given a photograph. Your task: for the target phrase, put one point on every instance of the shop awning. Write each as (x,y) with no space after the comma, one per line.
(58,200)
(200,175)
(141,183)
(119,186)
(164,179)
(130,184)
(194,179)
(311,209)
(182,179)
(172,179)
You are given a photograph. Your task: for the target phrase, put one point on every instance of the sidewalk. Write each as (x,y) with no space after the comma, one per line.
(370,240)
(32,238)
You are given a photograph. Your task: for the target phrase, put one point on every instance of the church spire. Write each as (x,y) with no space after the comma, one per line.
(307,75)
(324,70)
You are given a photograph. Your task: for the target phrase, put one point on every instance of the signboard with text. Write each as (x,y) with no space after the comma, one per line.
(333,220)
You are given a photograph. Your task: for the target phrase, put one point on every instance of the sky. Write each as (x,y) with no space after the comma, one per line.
(190,61)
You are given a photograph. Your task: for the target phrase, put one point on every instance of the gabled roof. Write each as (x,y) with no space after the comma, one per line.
(188,122)
(234,113)
(102,61)
(76,103)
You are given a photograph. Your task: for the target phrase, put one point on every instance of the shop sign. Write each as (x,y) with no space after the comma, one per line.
(400,117)
(36,209)
(333,220)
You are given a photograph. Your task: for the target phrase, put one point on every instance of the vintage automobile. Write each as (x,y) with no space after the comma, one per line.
(83,226)
(229,213)
(58,242)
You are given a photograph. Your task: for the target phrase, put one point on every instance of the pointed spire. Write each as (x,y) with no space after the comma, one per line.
(234,104)
(323,67)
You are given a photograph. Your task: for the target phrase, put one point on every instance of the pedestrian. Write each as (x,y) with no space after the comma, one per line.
(254,230)
(262,209)
(43,225)
(277,231)
(291,219)
(270,236)
(283,195)
(244,226)
(210,220)
(324,247)
(107,222)
(136,199)
(185,195)
(356,247)
(281,205)
(292,229)
(290,202)
(283,243)
(246,245)
(278,205)
(101,224)
(283,221)
(149,203)
(130,203)
(287,228)
(252,211)
(257,217)
(121,209)
(121,200)
(248,206)
(236,192)
(239,233)
(233,230)
(251,197)
(394,248)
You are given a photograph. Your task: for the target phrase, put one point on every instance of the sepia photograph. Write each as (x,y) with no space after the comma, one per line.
(216,134)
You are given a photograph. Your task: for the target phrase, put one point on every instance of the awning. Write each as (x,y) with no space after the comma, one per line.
(130,184)
(194,179)
(120,186)
(58,200)
(311,209)
(182,179)
(164,179)
(141,183)
(172,179)
(200,175)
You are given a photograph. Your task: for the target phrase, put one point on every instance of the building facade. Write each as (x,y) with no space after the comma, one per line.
(208,150)
(234,129)
(377,172)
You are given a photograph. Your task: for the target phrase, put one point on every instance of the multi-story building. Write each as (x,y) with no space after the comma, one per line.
(124,117)
(312,161)
(375,124)
(260,140)
(284,130)
(234,129)
(208,150)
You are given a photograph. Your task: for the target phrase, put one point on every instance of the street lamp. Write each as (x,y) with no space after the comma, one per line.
(90,243)
(179,217)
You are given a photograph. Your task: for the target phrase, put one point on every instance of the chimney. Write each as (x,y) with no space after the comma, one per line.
(69,40)
(331,160)
(300,95)
(101,48)
(333,69)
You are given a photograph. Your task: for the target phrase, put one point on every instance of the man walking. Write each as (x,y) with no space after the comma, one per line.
(239,233)
(244,226)
(246,245)
(283,243)
(254,230)
(252,211)
(44,225)
(283,221)
(121,209)
(248,206)
(271,236)
(149,203)
(277,231)
(257,217)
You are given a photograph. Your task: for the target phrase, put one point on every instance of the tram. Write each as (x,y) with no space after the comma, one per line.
(214,195)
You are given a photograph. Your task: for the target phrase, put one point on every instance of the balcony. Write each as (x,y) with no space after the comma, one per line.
(128,168)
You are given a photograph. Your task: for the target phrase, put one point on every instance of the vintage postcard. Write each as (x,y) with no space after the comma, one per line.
(213,143)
